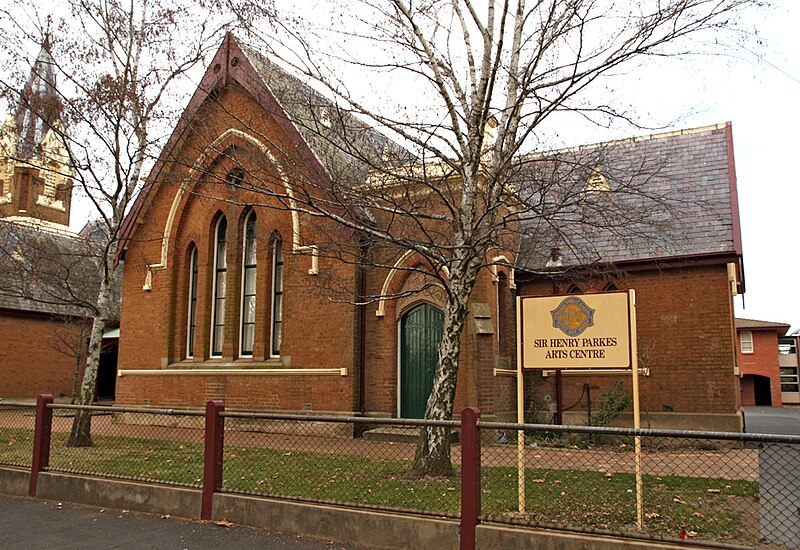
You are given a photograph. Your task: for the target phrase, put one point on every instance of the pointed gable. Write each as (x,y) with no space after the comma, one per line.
(332,142)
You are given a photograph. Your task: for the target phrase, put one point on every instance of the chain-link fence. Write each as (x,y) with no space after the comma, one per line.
(730,488)
(726,488)
(318,459)
(157,445)
(16,433)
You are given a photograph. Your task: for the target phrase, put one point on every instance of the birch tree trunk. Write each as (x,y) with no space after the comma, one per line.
(432,457)
(81,433)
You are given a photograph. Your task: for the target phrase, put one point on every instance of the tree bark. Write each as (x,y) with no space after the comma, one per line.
(81,433)
(433,449)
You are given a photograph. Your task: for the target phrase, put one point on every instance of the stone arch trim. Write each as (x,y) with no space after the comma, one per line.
(499,264)
(202,160)
(387,282)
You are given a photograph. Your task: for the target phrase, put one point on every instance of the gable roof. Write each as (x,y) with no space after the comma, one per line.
(780,328)
(331,141)
(690,171)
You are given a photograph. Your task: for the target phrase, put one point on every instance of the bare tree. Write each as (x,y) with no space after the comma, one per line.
(486,78)
(121,65)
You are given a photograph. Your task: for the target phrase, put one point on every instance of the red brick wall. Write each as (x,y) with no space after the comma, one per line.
(685,337)
(31,363)
(153,323)
(764,361)
(480,353)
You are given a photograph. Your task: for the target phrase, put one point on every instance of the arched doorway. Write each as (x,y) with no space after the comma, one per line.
(420,332)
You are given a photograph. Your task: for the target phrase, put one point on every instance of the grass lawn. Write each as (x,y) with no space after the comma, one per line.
(710,509)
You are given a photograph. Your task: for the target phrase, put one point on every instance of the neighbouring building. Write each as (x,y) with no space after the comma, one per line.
(47,276)
(789,362)
(223,295)
(768,363)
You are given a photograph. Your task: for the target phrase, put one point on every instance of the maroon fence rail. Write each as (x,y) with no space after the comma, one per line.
(724,489)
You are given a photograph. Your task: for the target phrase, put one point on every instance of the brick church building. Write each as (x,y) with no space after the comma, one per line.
(226,291)
(46,272)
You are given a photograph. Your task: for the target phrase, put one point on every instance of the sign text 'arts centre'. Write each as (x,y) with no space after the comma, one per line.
(586,331)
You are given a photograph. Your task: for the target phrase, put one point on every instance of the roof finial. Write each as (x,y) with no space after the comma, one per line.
(46,37)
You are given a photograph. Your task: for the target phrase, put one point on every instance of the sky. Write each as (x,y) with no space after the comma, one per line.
(757,89)
(760,98)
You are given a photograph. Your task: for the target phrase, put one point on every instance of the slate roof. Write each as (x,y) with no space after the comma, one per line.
(344,144)
(781,328)
(45,270)
(680,199)
(673,196)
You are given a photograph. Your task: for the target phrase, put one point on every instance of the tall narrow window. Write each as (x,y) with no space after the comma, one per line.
(247,330)
(191,322)
(220,276)
(277,297)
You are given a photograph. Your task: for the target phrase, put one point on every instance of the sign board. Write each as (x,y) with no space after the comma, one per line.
(579,331)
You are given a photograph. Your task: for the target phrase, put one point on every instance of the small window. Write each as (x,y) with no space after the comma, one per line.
(218,293)
(574,289)
(247,330)
(235,177)
(610,287)
(277,297)
(746,341)
(191,322)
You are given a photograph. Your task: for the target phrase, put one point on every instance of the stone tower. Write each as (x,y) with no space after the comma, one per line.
(35,172)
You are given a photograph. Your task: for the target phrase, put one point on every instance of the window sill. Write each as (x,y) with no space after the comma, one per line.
(229,369)
(226,363)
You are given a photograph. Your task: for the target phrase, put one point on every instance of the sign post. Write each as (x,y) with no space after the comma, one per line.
(637,423)
(520,416)
(588,331)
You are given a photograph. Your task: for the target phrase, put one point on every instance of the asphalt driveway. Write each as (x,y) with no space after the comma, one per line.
(771,420)
(27,523)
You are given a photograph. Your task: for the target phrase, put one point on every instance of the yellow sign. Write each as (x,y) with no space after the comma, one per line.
(578,331)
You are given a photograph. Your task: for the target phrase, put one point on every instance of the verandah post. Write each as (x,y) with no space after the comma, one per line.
(212,457)
(41,439)
(470,476)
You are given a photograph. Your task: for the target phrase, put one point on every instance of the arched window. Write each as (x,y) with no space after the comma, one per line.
(574,289)
(610,287)
(248,324)
(191,319)
(218,291)
(277,297)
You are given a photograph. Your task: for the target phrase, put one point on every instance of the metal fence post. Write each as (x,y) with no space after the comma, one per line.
(470,476)
(212,458)
(41,439)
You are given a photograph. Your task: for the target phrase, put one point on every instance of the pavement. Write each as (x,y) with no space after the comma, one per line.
(771,420)
(27,523)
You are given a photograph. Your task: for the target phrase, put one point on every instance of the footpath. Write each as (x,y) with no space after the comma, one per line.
(27,523)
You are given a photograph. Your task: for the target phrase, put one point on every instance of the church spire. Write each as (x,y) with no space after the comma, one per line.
(39,108)
(35,170)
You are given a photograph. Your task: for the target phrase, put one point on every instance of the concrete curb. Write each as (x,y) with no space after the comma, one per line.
(373,529)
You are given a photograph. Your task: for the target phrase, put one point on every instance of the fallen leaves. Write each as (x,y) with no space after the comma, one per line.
(223,523)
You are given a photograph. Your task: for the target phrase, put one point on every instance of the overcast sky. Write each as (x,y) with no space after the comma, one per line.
(761,98)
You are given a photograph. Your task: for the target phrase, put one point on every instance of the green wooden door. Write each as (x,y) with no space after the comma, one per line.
(420,332)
